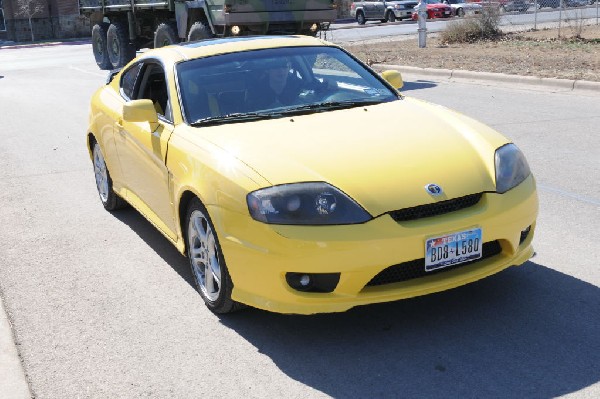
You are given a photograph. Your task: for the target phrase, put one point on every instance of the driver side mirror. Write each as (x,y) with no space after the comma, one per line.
(140,111)
(394,78)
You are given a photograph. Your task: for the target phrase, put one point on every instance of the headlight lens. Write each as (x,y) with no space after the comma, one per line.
(511,167)
(304,203)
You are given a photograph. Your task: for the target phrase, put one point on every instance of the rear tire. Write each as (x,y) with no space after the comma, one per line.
(165,35)
(391,17)
(460,12)
(199,31)
(120,51)
(99,46)
(360,18)
(110,200)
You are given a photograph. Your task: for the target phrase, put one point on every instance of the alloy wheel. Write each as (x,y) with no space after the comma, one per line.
(204,256)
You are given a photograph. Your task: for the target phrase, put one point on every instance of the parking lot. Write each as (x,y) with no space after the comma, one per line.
(101,305)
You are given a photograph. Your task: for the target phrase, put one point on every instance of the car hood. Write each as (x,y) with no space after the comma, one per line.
(382,156)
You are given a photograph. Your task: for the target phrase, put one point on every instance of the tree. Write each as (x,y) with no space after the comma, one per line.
(28,9)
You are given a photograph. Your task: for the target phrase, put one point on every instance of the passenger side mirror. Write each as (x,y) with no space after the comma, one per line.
(140,111)
(393,77)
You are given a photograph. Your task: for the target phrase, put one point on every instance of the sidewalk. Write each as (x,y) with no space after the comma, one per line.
(13,383)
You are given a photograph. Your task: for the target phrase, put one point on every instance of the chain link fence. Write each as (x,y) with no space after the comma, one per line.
(568,16)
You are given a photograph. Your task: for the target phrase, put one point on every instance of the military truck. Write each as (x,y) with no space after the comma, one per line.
(121,27)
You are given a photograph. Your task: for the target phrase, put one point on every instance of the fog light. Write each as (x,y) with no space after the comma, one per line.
(305,280)
(235,30)
(313,282)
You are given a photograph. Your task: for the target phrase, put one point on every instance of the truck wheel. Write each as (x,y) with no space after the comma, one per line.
(199,31)
(120,51)
(165,35)
(391,17)
(99,46)
(360,18)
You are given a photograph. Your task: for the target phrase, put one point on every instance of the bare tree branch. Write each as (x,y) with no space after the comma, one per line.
(29,9)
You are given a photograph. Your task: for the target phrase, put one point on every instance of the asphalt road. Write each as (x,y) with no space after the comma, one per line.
(102,306)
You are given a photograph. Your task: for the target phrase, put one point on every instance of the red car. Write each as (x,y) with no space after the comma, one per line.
(435,9)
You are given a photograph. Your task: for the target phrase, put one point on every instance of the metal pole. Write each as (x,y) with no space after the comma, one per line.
(535,10)
(560,7)
(422,13)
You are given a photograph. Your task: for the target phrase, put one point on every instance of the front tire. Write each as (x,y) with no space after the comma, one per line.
(120,51)
(391,17)
(110,200)
(199,31)
(99,46)
(207,262)
(460,12)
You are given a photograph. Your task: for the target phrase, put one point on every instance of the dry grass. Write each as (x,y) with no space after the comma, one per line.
(539,53)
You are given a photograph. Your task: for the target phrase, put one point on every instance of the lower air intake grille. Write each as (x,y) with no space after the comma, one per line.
(438,208)
(416,268)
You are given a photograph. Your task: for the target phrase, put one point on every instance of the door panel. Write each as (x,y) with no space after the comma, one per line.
(142,153)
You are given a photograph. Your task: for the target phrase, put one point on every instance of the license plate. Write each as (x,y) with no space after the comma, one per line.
(452,249)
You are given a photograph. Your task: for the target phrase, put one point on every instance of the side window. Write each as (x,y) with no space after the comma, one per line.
(128,81)
(153,87)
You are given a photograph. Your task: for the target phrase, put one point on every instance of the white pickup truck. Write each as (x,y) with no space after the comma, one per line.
(381,10)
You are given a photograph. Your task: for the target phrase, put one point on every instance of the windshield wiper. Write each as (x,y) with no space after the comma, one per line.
(328,105)
(234,117)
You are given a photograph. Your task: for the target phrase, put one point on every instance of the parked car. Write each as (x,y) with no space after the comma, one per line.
(381,10)
(435,9)
(256,157)
(515,5)
(460,7)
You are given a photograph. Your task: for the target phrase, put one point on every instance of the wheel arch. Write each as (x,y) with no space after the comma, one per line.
(91,139)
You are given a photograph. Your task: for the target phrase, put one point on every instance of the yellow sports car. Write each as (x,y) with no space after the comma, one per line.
(257,157)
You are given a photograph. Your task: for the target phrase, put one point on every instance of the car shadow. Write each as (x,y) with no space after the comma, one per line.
(157,242)
(529,331)
(417,85)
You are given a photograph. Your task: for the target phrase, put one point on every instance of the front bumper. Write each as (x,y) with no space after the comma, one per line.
(403,14)
(259,256)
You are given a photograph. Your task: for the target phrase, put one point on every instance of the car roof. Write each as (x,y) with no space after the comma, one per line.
(209,47)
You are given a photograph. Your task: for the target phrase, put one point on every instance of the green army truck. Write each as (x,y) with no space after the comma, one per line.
(121,27)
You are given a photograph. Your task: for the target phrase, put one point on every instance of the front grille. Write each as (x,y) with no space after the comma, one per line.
(438,208)
(416,268)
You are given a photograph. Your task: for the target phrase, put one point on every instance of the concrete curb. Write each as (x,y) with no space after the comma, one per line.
(14,383)
(15,45)
(448,74)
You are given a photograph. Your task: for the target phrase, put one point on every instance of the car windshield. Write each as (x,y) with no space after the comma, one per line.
(275,82)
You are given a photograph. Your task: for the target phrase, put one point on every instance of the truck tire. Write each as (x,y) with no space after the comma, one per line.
(391,17)
(120,51)
(199,31)
(99,46)
(165,35)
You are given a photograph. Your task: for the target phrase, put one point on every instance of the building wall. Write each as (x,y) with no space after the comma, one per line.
(60,19)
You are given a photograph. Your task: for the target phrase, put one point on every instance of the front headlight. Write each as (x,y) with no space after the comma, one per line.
(511,167)
(304,203)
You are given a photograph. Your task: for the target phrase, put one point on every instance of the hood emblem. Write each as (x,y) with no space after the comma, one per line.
(433,189)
